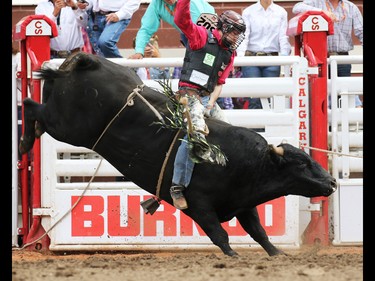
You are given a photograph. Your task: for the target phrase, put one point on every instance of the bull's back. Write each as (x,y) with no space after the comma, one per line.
(83,95)
(238,142)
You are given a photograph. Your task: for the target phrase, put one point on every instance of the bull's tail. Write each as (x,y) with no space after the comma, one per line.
(32,128)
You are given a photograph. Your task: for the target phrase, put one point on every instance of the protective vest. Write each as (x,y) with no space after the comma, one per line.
(204,66)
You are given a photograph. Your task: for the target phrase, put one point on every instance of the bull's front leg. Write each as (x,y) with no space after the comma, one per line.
(29,120)
(212,227)
(250,222)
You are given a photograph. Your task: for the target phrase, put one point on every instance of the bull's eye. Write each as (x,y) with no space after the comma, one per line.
(303,166)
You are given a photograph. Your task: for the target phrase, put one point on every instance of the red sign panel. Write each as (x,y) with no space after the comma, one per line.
(92,218)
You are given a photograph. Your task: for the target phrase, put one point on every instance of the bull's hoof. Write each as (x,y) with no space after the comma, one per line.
(24,145)
(22,149)
(281,253)
(38,129)
(277,252)
(232,253)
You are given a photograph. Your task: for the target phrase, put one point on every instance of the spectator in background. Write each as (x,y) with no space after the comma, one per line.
(266,26)
(346,18)
(225,103)
(87,47)
(207,63)
(238,103)
(152,51)
(176,72)
(164,10)
(69,18)
(107,20)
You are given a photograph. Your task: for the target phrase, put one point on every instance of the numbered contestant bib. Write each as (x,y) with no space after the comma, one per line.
(209,21)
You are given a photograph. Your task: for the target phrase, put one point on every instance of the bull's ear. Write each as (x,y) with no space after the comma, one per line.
(276,153)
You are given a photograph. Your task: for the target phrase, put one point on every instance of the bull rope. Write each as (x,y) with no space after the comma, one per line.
(130,102)
(328,151)
(165,164)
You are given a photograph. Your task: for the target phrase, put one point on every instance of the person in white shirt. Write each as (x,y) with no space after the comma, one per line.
(266,26)
(347,19)
(107,20)
(69,19)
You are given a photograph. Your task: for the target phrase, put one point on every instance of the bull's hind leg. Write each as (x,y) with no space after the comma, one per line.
(212,227)
(250,222)
(39,129)
(31,108)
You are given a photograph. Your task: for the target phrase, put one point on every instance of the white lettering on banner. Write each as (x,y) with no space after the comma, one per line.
(114,216)
(38,28)
(314,23)
(303,115)
(87,208)
(268,215)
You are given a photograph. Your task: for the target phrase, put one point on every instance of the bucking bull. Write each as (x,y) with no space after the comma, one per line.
(95,103)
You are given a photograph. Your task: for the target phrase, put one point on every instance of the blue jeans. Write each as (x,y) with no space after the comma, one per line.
(259,71)
(103,36)
(183,165)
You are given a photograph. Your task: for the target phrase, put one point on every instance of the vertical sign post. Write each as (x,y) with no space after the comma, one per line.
(311,30)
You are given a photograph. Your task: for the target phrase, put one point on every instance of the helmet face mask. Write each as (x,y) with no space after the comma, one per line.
(233,27)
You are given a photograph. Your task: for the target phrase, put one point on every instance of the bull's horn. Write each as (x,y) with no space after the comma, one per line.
(278,150)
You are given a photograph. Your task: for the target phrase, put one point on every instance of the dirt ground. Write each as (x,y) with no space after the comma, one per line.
(309,263)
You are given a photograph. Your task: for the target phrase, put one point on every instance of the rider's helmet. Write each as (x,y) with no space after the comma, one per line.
(233,27)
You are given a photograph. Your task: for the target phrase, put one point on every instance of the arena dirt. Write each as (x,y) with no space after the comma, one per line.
(309,263)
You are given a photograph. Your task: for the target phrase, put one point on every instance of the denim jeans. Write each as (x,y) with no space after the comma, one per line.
(183,165)
(104,36)
(259,71)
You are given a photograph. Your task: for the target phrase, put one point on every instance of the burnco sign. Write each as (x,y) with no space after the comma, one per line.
(116,217)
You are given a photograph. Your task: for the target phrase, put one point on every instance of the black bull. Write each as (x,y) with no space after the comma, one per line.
(87,92)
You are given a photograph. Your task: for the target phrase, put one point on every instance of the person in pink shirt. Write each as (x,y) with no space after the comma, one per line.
(208,62)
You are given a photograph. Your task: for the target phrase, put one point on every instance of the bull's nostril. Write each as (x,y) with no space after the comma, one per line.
(334,185)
